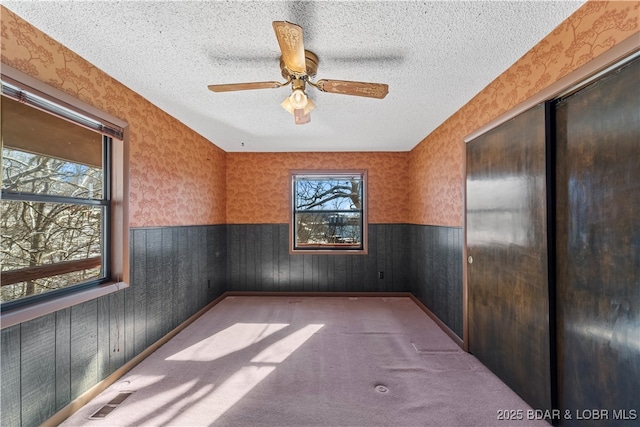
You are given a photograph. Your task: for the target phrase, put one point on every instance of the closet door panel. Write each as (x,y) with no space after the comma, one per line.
(598,246)
(507,242)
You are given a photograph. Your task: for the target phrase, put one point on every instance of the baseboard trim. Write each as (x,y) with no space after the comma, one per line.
(439,322)
(316,294)
(90,394)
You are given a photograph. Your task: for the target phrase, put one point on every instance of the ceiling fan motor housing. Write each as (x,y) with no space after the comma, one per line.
(311,60)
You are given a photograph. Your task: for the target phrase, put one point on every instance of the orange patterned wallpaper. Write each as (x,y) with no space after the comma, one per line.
(436,164)
(258,183)
(177,177)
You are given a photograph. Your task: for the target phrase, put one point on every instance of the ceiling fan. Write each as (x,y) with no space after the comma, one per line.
(298,66)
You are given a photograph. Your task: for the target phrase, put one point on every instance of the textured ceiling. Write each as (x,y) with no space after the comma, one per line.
(435,56)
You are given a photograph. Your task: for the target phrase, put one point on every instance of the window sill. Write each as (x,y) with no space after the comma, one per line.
(328,251)
(24,314)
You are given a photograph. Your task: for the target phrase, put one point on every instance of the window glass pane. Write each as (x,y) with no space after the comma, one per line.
(39,174)
(343,229)
(36,234)
(328,194)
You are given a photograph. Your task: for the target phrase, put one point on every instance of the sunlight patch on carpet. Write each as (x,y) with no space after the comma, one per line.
(235,338)
(235,388)
(248,377)
(278,352)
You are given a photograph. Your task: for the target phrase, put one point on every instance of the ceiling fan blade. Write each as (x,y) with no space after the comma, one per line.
(370,90)
(244,86)
(291,45)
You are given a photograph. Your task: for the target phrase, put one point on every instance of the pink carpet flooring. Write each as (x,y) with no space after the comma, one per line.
(310,361)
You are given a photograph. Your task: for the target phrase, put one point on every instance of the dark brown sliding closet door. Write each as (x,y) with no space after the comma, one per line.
(598,248)
(507,241)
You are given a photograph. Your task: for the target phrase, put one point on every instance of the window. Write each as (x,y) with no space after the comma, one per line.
(329,211)
(57,205)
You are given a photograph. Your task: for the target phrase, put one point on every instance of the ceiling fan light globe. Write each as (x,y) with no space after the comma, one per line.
(286,104)
(298,99)
(309,107)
